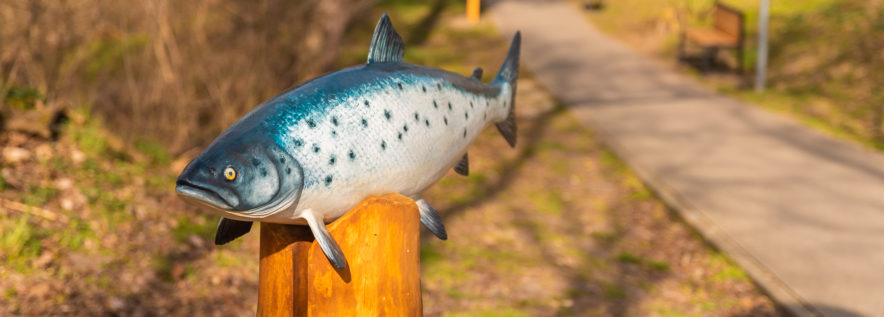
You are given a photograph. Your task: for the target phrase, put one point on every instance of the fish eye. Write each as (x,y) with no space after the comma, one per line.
(229,173)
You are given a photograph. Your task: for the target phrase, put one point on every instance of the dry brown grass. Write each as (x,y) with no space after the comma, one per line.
(175,71)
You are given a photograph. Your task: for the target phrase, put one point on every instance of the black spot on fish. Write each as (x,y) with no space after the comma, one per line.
(335,121)
(445,119)
(328,180)
(449,106)
(424,88)
(435,105)
(400,136)
(464,133)
(400,85)
(364,123)
(212,171)
(315,148)
(298,142)
(256,162)
(311,124)
(405,127)
(366,103)
(282,159)
(438,86)
(427,122)
(387,114)
(416,117)
(352,155)
(331,160)
(264,172)
(466,115)
(288,170)
(471,104)
(383,145)
(334,133)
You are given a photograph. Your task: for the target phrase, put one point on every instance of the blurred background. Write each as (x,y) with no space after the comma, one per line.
(104,102)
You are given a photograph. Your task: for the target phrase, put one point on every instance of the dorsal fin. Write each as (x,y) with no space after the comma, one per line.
(386,44)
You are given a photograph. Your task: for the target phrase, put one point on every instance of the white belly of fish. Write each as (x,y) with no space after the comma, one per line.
(400,142)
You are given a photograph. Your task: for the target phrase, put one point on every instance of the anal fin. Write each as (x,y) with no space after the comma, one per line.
(229,229)
(463,167)
(326,242)
(430,218)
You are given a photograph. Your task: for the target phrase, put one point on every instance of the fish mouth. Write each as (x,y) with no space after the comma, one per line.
(200,195)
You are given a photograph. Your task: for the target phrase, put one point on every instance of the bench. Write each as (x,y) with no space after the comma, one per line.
(727,33)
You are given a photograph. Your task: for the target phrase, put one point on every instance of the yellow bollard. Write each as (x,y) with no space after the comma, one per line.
(473,11)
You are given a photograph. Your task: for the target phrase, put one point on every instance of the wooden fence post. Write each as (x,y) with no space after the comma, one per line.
(380,238)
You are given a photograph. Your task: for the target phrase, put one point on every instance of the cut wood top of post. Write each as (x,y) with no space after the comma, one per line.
(380,238)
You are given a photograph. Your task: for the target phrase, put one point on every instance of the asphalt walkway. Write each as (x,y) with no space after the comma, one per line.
(802,212)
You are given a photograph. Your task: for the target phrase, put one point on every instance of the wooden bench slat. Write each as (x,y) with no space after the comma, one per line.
(711,37)
(727,20)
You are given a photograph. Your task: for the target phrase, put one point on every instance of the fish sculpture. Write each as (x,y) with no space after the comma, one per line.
(310,154)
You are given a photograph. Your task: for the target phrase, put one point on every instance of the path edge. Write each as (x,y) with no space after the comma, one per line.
(783,296)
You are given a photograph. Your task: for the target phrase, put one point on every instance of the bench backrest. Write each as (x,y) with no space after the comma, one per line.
(728,20)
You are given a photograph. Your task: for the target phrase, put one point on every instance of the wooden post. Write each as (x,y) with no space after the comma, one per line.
(282,272)
(473,11)
(379,237)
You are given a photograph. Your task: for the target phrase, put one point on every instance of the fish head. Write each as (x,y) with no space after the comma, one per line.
(242,177)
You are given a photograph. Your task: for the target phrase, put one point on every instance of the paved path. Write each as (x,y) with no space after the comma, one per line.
(799,210)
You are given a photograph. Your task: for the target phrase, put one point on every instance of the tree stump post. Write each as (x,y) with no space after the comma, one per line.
(380,238)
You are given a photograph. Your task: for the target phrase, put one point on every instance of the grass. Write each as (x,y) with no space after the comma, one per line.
(489,313)
(20,241)
(821,61)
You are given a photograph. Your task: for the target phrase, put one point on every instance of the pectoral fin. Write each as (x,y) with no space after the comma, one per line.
(229,229)
(326,242)
(430,218)
(463,167)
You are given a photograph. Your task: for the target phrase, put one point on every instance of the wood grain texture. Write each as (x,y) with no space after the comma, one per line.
(282,275)
(380,238)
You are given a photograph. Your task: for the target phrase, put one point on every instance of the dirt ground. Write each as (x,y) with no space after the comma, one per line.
(556,226)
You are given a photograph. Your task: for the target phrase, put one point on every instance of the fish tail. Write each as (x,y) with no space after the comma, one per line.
(507,76)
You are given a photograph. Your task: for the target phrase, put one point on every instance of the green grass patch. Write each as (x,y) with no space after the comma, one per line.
(626,257)
(613,291)
(38,195)
(430,255)
(190,224)
(489,313)
(21,97)
(727,269)
(154,150)
(20,241)
(75,234)
(657,265)
(547,202)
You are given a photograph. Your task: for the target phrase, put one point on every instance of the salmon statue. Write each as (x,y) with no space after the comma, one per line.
(310,154)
